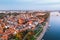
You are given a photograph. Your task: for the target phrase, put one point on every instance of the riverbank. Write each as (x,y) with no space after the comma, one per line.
(43,32)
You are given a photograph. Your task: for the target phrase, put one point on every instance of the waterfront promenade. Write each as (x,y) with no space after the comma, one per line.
(43,32)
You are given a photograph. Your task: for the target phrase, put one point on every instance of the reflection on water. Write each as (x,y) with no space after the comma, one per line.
(53,33)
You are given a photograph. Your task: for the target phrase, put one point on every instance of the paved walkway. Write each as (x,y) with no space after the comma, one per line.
(43,32)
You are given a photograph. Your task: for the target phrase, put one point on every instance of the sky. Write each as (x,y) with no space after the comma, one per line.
(29,4)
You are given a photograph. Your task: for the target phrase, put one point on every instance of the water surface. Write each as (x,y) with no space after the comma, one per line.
(53,32)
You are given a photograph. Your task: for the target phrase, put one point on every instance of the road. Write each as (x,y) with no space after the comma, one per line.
(43,32)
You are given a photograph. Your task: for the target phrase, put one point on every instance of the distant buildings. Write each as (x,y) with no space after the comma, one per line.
(55,13)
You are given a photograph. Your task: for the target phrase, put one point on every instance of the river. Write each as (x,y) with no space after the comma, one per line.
(53,32)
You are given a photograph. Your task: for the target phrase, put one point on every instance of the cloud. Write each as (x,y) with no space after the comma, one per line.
(30,4)
(47,1)
(39,1)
